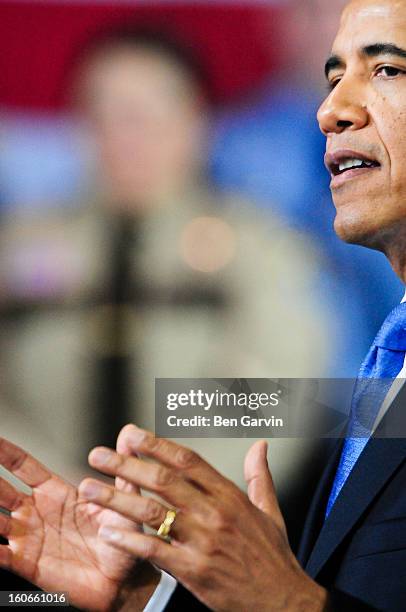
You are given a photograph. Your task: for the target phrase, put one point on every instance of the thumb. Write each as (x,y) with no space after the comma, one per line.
(261,490)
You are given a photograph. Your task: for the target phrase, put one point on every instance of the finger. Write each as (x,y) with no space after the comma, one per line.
(261,490)
(150,476)
(5,525)
(135,507)
(173,559)
(10,527)
(22,465)
(138,508)
(142,510)
(109,516)
(123,449)
(10,498)
(6,557)
(173,455)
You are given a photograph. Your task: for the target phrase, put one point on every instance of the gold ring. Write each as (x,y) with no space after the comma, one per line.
(166,526)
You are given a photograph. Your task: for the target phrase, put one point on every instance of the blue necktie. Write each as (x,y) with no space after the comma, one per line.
(382,364)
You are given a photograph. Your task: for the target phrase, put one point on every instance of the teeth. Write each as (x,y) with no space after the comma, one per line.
(351,163)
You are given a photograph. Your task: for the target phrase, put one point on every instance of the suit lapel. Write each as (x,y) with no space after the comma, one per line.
(316,513)
(380,458)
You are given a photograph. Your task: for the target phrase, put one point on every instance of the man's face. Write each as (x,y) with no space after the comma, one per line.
(146,122)
(364,119)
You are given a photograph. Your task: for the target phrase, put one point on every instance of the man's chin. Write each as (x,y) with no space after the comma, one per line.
(356,230)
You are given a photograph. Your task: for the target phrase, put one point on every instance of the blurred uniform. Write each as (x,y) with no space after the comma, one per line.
(214,289)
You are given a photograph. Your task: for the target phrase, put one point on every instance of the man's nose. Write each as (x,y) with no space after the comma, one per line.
(344,109)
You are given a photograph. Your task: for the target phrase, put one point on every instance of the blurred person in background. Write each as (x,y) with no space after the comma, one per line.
(157,275)
(270,149)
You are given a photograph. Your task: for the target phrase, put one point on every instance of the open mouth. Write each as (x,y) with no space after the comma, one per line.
(352,164)
(349,163)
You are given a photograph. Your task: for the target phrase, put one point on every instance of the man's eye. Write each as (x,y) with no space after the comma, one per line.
(389,71)
(332,84)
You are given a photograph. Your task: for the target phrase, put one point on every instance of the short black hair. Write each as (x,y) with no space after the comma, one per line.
(160,41)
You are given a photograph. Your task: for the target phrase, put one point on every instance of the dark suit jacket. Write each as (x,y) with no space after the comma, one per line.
(359,552)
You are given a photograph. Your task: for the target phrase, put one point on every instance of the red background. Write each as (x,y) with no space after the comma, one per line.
(38,41)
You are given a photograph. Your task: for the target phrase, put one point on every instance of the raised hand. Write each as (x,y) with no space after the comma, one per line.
(53,534)
(229,549)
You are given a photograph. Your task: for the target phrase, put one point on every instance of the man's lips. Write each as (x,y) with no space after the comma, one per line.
(346,164)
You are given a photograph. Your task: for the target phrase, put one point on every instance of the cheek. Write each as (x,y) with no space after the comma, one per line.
(392,131)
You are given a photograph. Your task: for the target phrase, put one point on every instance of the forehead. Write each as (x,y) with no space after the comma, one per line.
(365,22)
(133,74)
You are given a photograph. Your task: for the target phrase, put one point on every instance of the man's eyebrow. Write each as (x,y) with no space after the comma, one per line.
(383,49)
(374,50)
(334,61)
